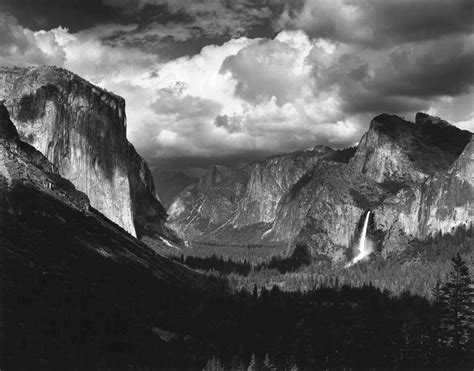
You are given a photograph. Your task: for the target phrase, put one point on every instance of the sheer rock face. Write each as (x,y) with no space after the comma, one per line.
(324,208)
(81,129)
(415,178)
(395,150)
(21,163)
(440,204)
(239,207)
(47,224)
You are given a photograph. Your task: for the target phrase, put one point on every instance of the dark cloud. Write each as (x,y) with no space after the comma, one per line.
(73,14)
(400,79)
(380,23)
(198,93)
(171,28)
(232,161)
(443,68)
(232,124)
(89,14)
(197,23)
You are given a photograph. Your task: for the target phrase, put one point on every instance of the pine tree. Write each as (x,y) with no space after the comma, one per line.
(237,364)
(437,292)
(214,364)
(437,295)
(267,364)
(255,291)
(253,364)
(457,301)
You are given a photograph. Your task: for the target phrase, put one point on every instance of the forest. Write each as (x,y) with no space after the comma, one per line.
(300,257)
(417,268)
(104,320)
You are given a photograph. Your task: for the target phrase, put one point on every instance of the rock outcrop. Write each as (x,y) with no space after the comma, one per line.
(81,129)
(395,150)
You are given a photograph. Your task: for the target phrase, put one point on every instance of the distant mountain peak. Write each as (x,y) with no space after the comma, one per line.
(388,119)
(394,149)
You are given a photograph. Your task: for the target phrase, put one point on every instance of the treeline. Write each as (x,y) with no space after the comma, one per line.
(299,258)
(416,268)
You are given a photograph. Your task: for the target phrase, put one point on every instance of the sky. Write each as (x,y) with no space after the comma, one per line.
(231,81)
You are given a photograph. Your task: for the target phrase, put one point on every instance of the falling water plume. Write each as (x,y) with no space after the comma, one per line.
(365,247)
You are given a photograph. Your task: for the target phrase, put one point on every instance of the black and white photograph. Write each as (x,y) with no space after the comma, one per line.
(248,185)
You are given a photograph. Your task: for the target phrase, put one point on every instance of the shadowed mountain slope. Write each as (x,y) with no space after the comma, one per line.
(169,184)
(75,288)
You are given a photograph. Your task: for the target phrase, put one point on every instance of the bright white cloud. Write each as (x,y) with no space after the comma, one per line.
(467,124)
(244,96)
(266,99)
(21,46)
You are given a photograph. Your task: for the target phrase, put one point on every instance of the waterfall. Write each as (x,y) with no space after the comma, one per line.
(364,248)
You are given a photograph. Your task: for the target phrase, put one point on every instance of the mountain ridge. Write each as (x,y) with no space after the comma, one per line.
(388,172)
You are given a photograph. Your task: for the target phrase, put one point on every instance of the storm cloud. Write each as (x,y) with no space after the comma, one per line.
(377,23)
(211,81)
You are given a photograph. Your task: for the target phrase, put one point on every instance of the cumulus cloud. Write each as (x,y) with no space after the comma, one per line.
(269,69)
(272,107)
(20,46)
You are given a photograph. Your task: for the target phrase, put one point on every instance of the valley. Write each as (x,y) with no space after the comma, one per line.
(313,259)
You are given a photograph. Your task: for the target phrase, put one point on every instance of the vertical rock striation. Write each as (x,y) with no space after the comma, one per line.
(81,129)
(440,204)
(240,206)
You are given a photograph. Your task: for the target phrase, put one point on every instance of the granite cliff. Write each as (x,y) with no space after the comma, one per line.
(440,204)
(396,150)
(416,178)
(81,129)
(240,207)
(38,205)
